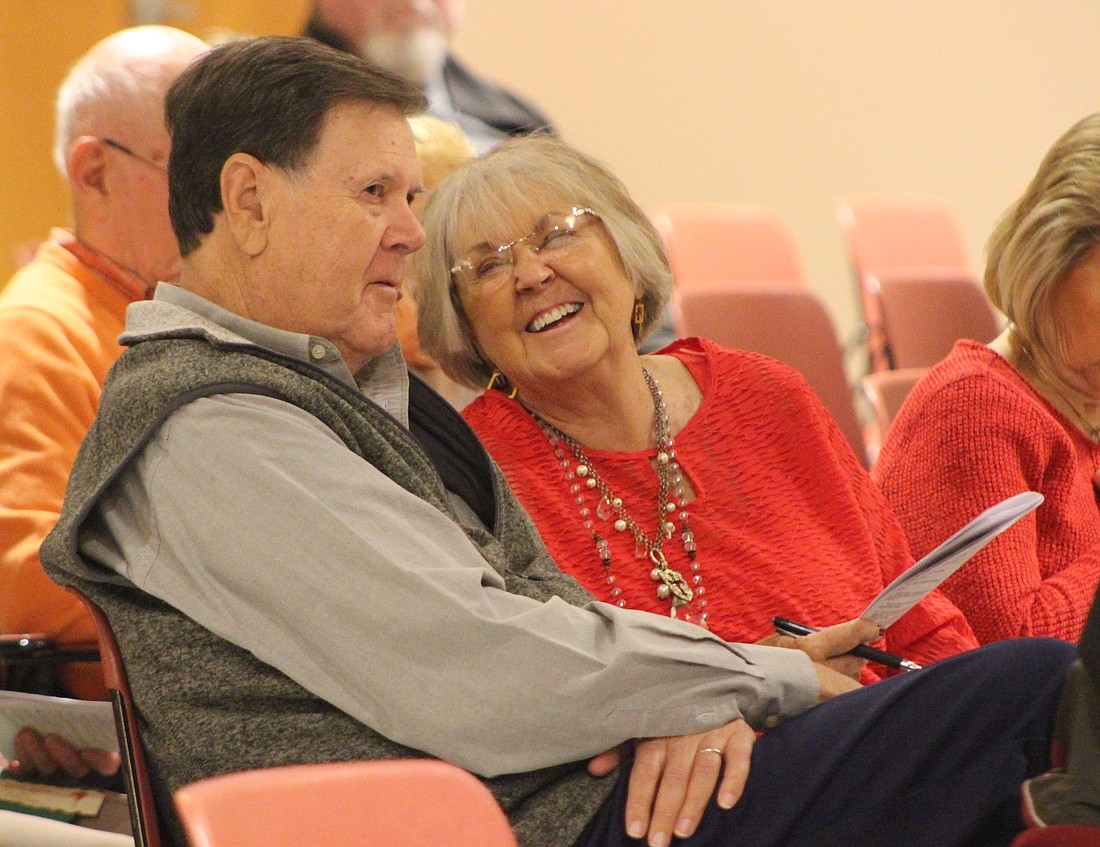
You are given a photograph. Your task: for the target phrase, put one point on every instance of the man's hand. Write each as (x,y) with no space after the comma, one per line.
(673,779)
(51,755)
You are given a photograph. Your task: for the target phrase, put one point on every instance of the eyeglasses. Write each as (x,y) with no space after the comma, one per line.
(122,148)
(554,235)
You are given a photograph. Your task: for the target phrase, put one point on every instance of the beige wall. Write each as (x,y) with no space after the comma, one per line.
(783,102)
(793,102)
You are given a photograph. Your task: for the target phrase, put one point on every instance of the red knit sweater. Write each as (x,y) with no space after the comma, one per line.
(971,433)
(785,520)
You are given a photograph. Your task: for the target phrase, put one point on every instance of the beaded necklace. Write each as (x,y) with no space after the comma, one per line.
(584,479)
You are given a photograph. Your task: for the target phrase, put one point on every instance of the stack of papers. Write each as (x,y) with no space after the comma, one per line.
(85,723)
(66,803)
(917,582)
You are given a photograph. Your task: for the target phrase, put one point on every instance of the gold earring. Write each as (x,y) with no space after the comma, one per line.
(639,313)
(499,377)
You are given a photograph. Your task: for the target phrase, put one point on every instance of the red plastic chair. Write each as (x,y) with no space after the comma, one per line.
(885,392)
(143,812)
(1059,835)
(728,243)
(406,802)
(924,312)
(917,289)
(787,323)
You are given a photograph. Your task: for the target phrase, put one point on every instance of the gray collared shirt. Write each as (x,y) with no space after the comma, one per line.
(250,516)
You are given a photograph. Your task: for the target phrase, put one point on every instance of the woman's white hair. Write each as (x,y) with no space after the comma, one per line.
(522,177)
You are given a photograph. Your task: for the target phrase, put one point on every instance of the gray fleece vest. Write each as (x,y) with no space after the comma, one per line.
(206,706)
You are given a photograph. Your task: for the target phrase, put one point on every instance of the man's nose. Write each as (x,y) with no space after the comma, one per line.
(405,233)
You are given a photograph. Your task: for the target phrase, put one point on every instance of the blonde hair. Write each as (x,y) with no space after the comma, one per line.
(1042,236)
(441,146)
(521,176)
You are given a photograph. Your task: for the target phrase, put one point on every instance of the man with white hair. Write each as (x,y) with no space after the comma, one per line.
(411,38)
(60,316)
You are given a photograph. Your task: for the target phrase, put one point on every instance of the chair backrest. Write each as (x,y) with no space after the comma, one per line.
(925,311)
(395,803)
(885,391)
(893,231)
(143,813)
(891,234)
(731,243)
(787,323)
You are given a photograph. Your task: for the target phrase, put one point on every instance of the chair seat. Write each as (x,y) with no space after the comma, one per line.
(894,237)
(728,243)
(143,813)
(1059,835)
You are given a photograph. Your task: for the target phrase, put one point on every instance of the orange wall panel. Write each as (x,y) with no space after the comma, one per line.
(39,41)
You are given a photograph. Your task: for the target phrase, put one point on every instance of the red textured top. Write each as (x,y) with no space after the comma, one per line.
(785,519)
(971,433)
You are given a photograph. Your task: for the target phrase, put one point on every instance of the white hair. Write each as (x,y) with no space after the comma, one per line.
(119,75)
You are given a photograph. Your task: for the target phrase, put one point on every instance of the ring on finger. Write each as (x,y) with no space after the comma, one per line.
(710,750)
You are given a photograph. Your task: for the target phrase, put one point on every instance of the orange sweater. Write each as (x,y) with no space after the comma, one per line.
(786,521)
(59,320)
(971,433)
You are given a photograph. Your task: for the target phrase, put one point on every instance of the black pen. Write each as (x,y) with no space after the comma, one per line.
(864,651)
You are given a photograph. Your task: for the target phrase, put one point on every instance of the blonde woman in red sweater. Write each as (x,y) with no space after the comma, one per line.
(1020,413)
(705,483)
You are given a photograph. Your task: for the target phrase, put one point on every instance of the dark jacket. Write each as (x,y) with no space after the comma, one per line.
(470,94)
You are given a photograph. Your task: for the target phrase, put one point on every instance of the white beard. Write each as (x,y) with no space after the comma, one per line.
(416,56)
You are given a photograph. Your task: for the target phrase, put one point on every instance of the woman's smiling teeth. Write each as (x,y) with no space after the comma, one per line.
(552,316)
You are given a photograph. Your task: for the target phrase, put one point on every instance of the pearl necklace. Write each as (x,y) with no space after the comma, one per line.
(671,584)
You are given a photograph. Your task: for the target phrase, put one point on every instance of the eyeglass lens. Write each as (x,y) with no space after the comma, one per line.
(553,232)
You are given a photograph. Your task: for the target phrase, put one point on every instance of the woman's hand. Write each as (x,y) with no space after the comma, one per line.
(829,647)
(52,755)
(673,779)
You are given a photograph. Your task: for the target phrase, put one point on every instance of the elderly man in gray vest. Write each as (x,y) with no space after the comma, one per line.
(304,552)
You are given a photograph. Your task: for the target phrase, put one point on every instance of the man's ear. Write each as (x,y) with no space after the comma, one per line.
(246,197)
(87,169)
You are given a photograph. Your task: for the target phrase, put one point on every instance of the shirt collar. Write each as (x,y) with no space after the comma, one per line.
(123,280)
(384,380)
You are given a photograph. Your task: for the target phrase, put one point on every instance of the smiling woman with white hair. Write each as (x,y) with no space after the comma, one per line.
(702,483)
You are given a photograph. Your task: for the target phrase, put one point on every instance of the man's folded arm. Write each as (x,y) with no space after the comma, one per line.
(249,516)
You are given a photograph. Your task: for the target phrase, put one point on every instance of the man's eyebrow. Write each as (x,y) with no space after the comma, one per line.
(371,175)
